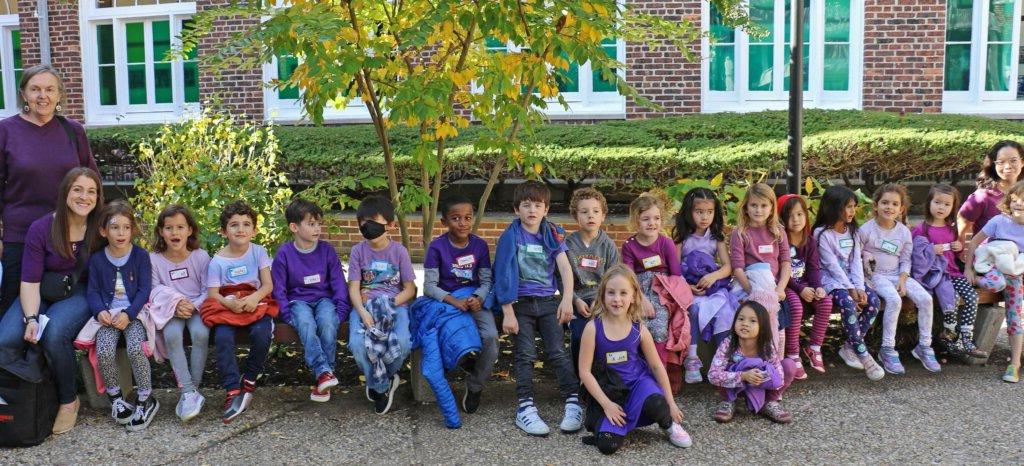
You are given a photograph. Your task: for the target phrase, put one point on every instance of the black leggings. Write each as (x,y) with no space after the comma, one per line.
(655,408)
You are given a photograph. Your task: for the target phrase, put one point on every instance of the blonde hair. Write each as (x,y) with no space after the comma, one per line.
(1016,191)
(634,313)
(646,201)
(763,191)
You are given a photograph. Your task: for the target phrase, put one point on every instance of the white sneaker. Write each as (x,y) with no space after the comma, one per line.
(189,405)
(850,357)
(678,436)
(530,422)
(572,422)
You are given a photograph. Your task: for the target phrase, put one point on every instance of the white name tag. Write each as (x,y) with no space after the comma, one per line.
(588,263)
(379,266)
(765,249)
(890,247)
(846,243)
(238,271)
(465,261)
(534,248)
(178,274)
(946,246)
(652,262)
(616,357)
(311,279)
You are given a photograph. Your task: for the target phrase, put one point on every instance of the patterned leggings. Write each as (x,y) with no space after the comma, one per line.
(106,352)
(856,323)
(967,312)
(822,311)
(1012,288)
(796,319)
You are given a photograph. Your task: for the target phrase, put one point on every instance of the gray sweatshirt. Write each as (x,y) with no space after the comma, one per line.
(590,262)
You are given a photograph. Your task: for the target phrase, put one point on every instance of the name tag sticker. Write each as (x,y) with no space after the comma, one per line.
(379,266)
(588,263)
(846,243)
(652,262)
(890,247)
(178,274)
(765,249)
(311,279)
(946,246)
(534,248)
(616,357)
(238,271)
(465,261)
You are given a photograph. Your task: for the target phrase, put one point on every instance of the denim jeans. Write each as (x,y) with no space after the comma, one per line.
(357,345)
(67,318)
(540,315)
(317,326)
(260,334)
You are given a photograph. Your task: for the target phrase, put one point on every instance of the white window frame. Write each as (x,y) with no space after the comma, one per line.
(290,110)
(976,100)
(8,23)
(124,113)
(740,99)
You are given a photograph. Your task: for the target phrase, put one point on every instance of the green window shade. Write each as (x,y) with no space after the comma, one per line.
(998,71)
(836,65)
(719,31)
(958,67)
(837,20)
(16,52)
(959,25)
(959,20)
(286,65)
(761,51)
(806,41)
(105,52)
(190,67)
(722,60)
(599,83)
(806,66)
(1000,20)
(495,45)
(163,82)
(135,39)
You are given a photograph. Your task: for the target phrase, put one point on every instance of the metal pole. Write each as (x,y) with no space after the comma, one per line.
(794,176)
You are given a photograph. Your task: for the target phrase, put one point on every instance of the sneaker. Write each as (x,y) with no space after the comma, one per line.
(248,386)
(572,422)
(850,357)
(970,349)
(236,402)
(926,355)
(121,410)
(326,381)
(382,401)
(144,414)
(798,370)
(773,411)
(725,412)
(891,360)
(530,422)
(470,400)
(692,365)
(368,397)
(318,396)
(1012,374)
(815,360)
(189,405)
(678,436)
(873,370)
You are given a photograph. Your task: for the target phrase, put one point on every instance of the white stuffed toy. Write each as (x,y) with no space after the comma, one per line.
(1001,254)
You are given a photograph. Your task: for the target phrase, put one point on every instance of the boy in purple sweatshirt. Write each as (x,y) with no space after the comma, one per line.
(310,287)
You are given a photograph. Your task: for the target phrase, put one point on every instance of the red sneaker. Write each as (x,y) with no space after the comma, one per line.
(325,382)
(319,396)
(815,359)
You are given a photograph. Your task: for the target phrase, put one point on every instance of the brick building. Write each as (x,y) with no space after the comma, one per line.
(954,56)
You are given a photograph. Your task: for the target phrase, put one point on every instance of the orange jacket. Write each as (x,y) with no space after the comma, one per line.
(213,313)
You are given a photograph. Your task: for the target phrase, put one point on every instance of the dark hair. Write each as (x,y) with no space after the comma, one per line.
(684,219)
(238,207)
(192,243)
(532,191)
(987,177)
(373,206)
(948,190)
(897,189)
(60,231)
(299,208)
(111,210)
(787,210)
(765,346)
(830,211)
(452,201)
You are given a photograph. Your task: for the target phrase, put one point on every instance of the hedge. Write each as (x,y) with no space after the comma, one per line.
(634,154)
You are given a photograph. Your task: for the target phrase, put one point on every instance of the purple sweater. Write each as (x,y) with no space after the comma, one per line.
(40,255)
(33,161)
(805,258)
(309,277)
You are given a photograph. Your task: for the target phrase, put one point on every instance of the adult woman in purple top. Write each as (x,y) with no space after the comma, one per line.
(36,150)
(999,171)
(54,243)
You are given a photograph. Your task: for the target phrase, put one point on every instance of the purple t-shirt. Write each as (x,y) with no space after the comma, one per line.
(457,267)
(308,276)
(380,273)
(659,256)
(536,264)
(187,277)
(40,255)
(981,206)
(941,235)
(225,271)
(1004,228)
(33,161)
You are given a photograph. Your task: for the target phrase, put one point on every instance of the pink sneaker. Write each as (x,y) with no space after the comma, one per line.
(678,436)
(798,370)
(814,359)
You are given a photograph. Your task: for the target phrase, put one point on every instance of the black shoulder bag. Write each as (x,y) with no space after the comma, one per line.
(56,286)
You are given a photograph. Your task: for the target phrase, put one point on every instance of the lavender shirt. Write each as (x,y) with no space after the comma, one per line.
(225,271)
(891,248)
(706,244)
(840,257)
(187,277)
(981,206)
(380,273)
(33,161)
(1003,227)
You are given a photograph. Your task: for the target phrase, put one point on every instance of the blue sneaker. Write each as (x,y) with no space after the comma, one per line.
(530,422)
(573,420)
(926,355)
(891,360)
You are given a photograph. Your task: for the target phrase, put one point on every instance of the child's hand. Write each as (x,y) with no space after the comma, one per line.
(970,276)
(104,318)
(752,376)
(184,309)
(251,303)
(957,246)
(509,324)
(860,296)
(820,293)
(901,287)
(474,304)
(648,308)
(696,291)
(615,414)
(582,308)
(367,319)
(705,282)
(675,412)
(461,304)
(781,294)
(938,249)
(565,310)
(807,294)
(121,321)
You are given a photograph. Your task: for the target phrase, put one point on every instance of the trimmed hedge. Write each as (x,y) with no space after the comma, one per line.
(636,154)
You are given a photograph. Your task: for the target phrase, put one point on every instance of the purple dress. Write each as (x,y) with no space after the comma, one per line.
(625,358)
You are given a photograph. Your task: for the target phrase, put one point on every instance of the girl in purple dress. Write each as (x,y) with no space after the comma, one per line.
(620,367)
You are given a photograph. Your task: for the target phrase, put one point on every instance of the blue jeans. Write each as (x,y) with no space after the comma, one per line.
(260,334)
(356,344)
(317,326)
(67,318)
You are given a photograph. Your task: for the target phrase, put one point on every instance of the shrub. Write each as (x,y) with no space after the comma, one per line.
(207,162)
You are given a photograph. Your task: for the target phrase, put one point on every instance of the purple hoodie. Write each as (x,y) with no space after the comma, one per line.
(929,269)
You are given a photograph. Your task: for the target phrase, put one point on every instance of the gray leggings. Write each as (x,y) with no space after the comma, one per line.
(106,352)
(189,376)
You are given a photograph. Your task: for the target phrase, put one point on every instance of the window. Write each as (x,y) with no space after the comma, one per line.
(982,65)
(126,73)
(743,72)
(10,62)
(283,105)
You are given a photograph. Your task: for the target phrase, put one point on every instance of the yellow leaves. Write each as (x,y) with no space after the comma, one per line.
(598,8)
(808,185)
(348,35)
(547,90)
(445,130)
(538,168)
(588,32)
(463,78)
(717,180)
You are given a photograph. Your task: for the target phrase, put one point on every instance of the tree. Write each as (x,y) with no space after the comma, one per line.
(425,64)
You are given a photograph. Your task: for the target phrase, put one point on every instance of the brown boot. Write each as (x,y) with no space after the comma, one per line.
(67,415)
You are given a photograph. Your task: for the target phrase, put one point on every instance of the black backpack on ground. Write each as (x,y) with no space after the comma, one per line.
(28,399)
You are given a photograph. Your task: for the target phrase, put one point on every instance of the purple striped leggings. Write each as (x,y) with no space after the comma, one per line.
(822,311)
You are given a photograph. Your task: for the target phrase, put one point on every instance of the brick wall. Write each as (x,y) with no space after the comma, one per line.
(490,229)
(662,74)
(238,90)
(904,55)
(65,48)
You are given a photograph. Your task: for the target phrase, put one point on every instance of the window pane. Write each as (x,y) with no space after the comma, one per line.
(958,67)
(161,40)
(997,70)
(837,20)
(105,43)
(837,67)
(722,68)
(762,13)
(108,85)
(16,44)
(719,31)
(807,20)
(1000,20)
(191,81)
(761,61)
(285,67)
(599,84)
(186,25)
(162,83)
(137,84)
(806,63)
(495,45)
(959,17)
(568,80)
(135,40)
